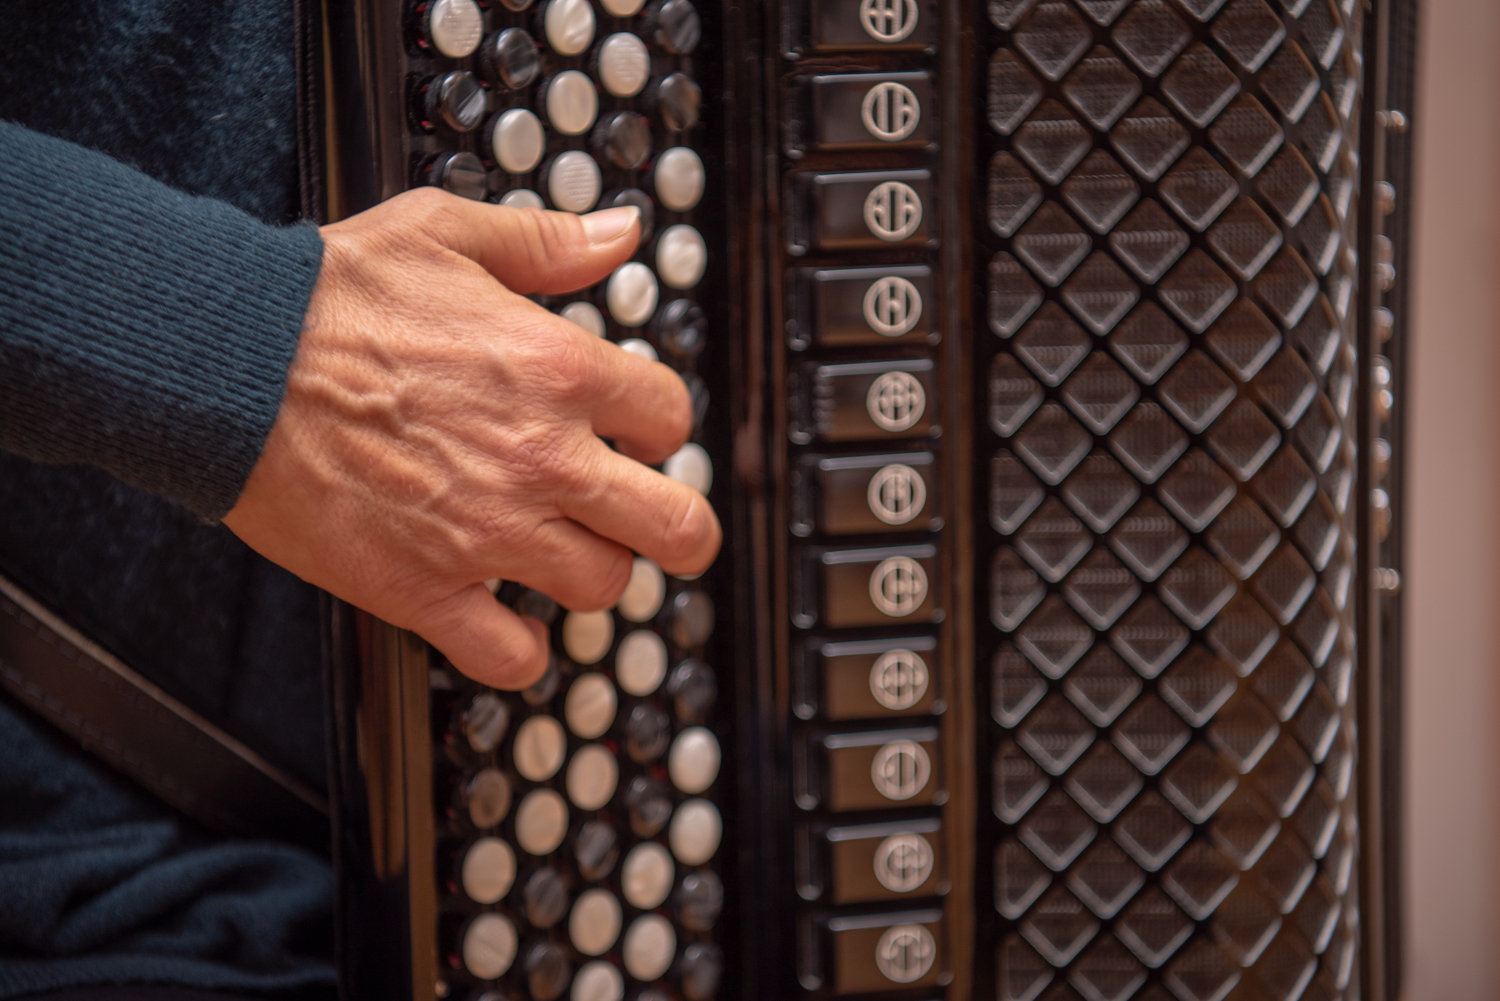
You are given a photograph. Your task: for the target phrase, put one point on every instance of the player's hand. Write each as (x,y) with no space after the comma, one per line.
(439,430)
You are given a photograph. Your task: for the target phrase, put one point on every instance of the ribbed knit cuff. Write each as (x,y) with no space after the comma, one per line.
(142,331)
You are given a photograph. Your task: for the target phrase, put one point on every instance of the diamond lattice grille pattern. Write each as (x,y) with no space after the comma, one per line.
(1176,818)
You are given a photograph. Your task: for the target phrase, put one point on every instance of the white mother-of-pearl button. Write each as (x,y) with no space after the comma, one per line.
(518,141)
(572,103)
(522,198)
(681,256)
(679,178)
(594,924)
(624,64)
(641,662)
(541,821)
(691,465)
(693,762)
(590,705)
(585,315)
(695,831)
(631,294)
(573,181)
(650,945)
(592,776)
(587,636)
(539,748)
(488,871)
(455,27)
(569,25)
(598,981)
(636,346)
(644,594)
(622,8)
(646,878)
(489,946)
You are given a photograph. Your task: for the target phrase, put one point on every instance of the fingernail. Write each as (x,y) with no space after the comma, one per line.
(608,225)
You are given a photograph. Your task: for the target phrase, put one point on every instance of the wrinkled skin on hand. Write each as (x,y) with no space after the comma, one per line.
(439,430)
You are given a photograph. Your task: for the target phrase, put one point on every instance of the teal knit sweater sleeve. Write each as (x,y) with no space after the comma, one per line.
(143,331)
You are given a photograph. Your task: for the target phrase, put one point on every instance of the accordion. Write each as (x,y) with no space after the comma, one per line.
(1044,359)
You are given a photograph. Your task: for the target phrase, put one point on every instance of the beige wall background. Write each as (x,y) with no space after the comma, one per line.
(1453,557)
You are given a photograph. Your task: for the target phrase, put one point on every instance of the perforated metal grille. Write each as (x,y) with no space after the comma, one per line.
(1166,648)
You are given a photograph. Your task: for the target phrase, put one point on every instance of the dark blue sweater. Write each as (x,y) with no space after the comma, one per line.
(145,335)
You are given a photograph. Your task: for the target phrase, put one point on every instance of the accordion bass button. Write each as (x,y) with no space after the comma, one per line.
(590,705)
(593,774)
(624,64)
(696,831)
(487,795)
(456,99)
(677,100)
(569,25)
(648,732)
(484,721)
(694,690)
(548,972)
(645,592)
(649,804)
(690,465)
(546,898)
(700,900)
(650,944)
(702,969)
(488,870)
(541,822)
(596,849)
(681,257)
(510,59)
(453,27)
(489,946)
(678,179)
(623,139)
(646,878)
(641,662)
(675,26)
(622,8)
(585,315)
(693,762)
(598,981)
(631,294)
(594,924)
(516,141)
(523,198)
(571,103)
(540,745)
(460,174)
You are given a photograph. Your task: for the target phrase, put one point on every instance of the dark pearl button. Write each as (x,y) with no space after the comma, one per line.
(698,397)
(459,173)
(675,26)
(456,99)
(678,98)
(597,850)
(694,690)
(692,619)
(547,971)
(623,139)
(484,721)
(652,994)
(680,329)
(702,969)
(648,731)
(650,806)
(700,900)
(546,897)
(542,690)
(510,59)
(621,197)
(538,606)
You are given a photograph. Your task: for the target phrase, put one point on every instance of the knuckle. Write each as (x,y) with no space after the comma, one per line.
(603,589)
(687,524)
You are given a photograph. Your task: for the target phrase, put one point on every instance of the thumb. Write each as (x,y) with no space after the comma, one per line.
(532,250)
(484,639)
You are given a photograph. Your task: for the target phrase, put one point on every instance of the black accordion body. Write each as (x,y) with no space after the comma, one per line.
(1043,356)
